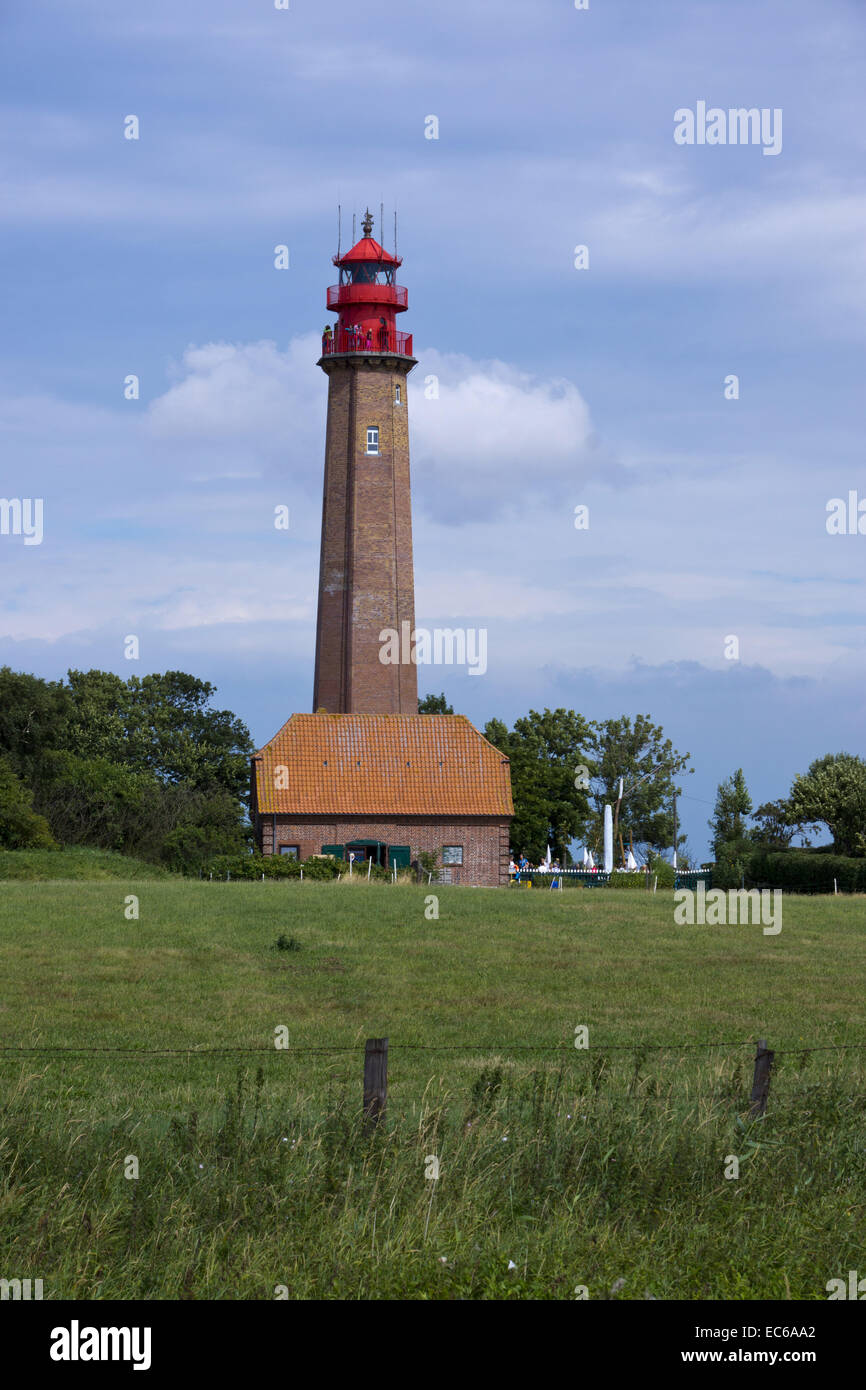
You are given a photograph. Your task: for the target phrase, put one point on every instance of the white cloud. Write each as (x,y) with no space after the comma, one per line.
(493,436)
(251,393)
(170,528)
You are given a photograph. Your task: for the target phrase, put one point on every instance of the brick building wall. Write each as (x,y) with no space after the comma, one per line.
(366,580)
(485,841)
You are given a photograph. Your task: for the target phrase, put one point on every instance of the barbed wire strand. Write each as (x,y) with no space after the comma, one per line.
(566,1048)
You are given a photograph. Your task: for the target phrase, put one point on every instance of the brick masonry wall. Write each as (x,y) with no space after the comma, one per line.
(366,580)
(485,841)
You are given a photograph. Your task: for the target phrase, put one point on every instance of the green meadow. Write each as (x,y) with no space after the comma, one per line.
(148,1044)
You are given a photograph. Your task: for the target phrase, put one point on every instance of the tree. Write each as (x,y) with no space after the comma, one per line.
(20,826)
(733,806)
(434,704)
(547,753)
(773,827)
(686,858)
(160,724)
(33,718)
(144,764)
(833,793)
(92,801)
(648,764)
(205,825)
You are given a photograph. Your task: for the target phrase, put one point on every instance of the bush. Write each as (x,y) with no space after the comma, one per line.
(732,863)
(189,848)
(20,826)
(252,866)
(286,943)
(635,882)
(804,871)
(429,860)
(323,867)
(666,872)
(274,866)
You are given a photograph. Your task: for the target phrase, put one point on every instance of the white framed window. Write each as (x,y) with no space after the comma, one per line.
(372,439)
(398,397)
(452,854)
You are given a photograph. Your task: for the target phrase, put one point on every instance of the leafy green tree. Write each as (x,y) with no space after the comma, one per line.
(100,723)
(730,813)
(434,704)
(773,828)
(160,724)
(649,765)
(143,765)
(192,847)
(33,718)
(20,826)
(92,801)
(833,793)
(547,754)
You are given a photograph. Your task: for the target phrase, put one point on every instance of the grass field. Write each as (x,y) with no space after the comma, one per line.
(579,1168)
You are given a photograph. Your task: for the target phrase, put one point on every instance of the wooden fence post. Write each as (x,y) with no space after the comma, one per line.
(375,1081)
(761,1081)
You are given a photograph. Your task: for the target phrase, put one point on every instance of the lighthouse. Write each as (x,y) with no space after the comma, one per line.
(366,583)
(365,777)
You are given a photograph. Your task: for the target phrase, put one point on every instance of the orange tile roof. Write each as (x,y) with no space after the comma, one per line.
(382,764)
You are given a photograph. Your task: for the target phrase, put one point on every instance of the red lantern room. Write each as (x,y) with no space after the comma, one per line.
(367,300)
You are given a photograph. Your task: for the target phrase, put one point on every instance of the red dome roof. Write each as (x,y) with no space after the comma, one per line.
(368,250)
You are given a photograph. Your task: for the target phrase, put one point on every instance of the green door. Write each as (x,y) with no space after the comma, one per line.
(336,850)
(399,855)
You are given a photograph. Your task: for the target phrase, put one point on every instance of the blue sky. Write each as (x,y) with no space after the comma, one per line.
(558,387)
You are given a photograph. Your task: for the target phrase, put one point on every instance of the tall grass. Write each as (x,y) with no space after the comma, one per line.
(575,1173)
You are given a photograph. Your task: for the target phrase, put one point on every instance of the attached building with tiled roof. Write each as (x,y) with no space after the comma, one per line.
(386,787)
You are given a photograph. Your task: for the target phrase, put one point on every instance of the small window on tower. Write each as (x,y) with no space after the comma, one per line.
(373,439)
(397,397)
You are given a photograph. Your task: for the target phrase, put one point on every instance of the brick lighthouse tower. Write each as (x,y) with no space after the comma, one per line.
(365,778)
(365,576)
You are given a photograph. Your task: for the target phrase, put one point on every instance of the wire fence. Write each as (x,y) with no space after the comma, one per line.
(375,1051)
(567,1048)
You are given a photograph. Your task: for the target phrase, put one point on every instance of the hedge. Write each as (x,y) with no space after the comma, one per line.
(633,881)
(800,871)
(271,865)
